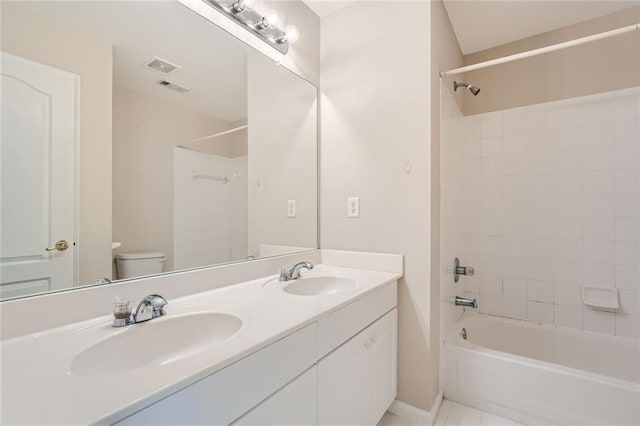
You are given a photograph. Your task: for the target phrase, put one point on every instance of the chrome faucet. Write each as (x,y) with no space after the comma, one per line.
(468,303)
(150,307)
(294,272)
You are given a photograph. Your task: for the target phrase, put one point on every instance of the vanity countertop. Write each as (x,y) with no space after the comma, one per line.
(40,387)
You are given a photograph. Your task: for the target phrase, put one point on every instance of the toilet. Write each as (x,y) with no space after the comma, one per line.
(139,264)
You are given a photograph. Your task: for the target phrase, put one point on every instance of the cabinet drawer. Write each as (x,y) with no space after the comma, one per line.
(228,394)
(341,325)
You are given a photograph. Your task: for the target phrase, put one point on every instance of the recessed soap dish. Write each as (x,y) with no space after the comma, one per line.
(600,297)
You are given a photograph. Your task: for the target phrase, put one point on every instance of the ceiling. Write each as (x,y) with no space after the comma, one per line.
(324,7)
(215,71)
(480,24)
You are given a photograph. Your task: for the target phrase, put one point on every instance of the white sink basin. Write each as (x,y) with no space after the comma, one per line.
(320,285)
(154,343)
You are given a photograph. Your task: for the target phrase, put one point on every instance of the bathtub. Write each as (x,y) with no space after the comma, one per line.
(542,374)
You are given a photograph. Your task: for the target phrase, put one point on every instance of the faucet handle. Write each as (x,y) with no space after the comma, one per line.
(284,274)
(122,313)
(122,309)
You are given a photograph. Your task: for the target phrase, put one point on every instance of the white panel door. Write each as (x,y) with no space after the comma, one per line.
(37,177)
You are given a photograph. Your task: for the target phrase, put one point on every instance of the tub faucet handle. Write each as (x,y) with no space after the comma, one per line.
(461,270)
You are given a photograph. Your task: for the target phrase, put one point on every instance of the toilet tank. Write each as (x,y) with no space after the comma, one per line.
(138,264)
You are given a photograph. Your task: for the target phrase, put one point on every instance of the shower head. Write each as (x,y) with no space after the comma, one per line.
(473,89)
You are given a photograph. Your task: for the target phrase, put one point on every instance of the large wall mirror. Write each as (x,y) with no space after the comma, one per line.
(138,138)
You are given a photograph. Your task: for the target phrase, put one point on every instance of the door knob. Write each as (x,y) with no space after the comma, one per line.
(61,245)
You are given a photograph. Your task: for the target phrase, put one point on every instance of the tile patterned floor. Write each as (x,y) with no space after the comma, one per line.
(454,414)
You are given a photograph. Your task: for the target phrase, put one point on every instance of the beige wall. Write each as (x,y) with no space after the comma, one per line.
(375,117)
(44,40)
(145,131)
(282,140)
(595,67)
(380,109)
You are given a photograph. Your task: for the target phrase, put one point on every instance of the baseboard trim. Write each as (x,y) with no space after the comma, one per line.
(415,414)
(435,407)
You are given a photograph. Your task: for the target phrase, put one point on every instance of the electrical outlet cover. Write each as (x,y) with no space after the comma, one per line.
(353,207)
(291,208)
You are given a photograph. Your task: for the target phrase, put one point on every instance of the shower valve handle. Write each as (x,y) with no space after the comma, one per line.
(465,270)
(461,270)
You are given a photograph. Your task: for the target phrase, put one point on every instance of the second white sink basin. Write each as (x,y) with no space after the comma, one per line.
(320,285)
(154,343)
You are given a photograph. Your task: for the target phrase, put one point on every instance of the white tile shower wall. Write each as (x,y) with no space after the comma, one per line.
(545,199)
(210,217)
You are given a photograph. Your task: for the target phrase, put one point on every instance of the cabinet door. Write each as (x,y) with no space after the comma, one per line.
(357,381)
(384,363)
(295,404)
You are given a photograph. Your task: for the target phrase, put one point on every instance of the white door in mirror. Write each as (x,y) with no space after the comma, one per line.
(38,177)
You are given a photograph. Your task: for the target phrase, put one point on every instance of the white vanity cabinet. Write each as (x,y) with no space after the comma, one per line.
(357,381)
(338,370)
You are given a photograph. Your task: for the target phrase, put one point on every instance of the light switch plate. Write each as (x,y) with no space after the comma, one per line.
(291,208)
(353,207)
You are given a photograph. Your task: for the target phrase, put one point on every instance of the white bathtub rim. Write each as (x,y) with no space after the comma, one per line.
(454,339)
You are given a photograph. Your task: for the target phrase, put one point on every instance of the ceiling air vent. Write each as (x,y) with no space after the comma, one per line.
(173,86)
(160,65)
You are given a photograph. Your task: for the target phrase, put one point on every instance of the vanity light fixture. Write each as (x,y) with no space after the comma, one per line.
(271,19)
(266,27)
(241,5)
(290,35)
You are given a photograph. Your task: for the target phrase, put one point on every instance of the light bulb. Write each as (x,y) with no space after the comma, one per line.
(241,5)
(291,34)
(251,4)
(272,19)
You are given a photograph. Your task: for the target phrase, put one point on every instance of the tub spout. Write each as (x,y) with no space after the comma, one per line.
(469,303)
